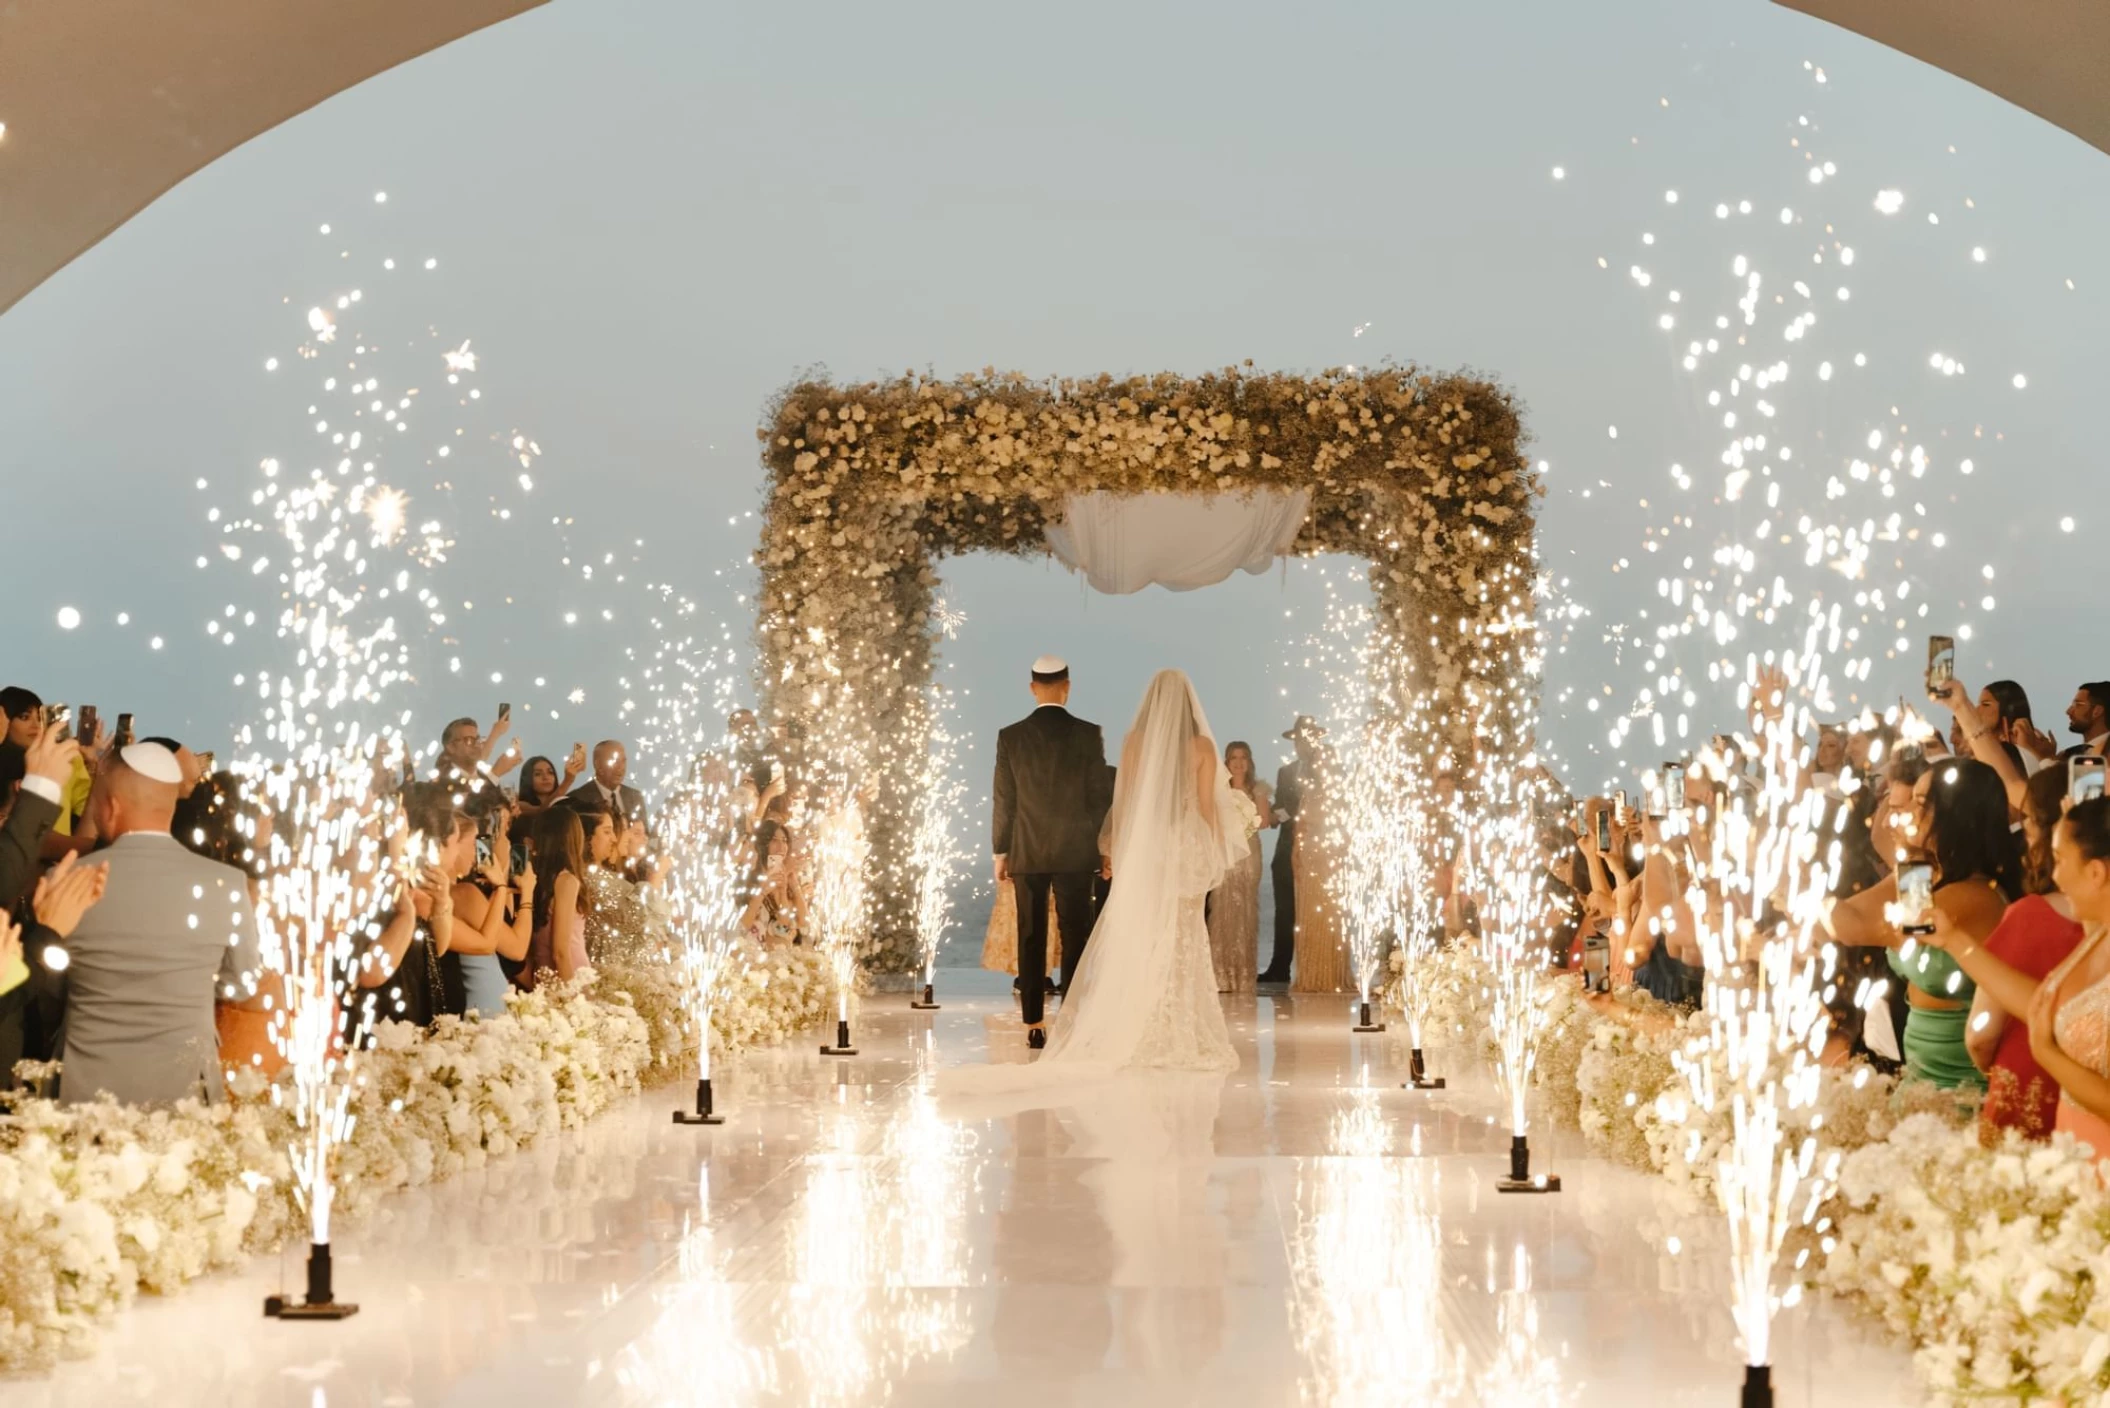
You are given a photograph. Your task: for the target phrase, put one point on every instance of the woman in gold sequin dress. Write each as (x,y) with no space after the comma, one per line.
(620,929)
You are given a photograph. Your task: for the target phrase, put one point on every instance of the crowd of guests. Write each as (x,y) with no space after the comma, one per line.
(131,872)
(2000,985)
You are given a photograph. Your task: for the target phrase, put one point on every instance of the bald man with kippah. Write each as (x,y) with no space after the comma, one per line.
(1048,801)
(172,936)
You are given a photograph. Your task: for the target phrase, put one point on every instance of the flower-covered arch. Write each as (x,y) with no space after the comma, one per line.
(1422,474)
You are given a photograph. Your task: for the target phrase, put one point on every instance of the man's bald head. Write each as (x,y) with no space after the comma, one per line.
(126,800)
(610,764)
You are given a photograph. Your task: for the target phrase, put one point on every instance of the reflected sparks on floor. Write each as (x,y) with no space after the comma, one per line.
(1300,1232)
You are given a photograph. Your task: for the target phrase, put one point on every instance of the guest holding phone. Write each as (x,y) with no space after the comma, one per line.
(1956,826)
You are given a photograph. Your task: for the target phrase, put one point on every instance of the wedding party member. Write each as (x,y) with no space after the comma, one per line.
(1322,959)
(1047,807)
(173,933)
(776,916)
(611,764)
(1304,734)
(1234,906)
(561,897)
(540,785)
(1000,938)
(1958,823)
(2037,934)
(407,964)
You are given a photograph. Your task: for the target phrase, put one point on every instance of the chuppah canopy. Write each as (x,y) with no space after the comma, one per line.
(105,105)
(2049,56)
(1181,542)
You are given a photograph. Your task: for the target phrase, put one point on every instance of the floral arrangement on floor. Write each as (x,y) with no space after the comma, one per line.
(1993,1263)
(98,1202)
(1421,474)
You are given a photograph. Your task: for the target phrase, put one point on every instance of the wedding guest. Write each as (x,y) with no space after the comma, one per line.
(540,785)
(2069,1017)
(465,752)
(406,965)
(619,928)
(26,722)
(173,933)
(2088,716)
(611,764)
(1304,736)
(40,772)
(1234,906)
(33,958)
(2036,934)
(777,913)
(493,918)
(561,897)
(1958,824)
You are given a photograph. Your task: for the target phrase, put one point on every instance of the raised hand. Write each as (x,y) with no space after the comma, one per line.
(2031,739)
(68,891)
(51,756)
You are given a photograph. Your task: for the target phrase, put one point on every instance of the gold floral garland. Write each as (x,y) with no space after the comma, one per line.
(1422,474)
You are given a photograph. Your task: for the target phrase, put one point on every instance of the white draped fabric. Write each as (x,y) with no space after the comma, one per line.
(1123,544)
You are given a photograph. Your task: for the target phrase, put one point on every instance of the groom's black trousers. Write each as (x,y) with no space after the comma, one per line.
(1073,911)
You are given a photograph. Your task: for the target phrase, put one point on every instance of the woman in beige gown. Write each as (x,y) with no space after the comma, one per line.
(1000,940)
(1234,905)
(1322,954)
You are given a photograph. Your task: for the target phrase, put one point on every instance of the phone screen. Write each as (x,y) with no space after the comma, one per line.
(1674,786)
(1619,806)
(2084,778)
(1916,898)
(1604,829)
(1941,663)
(1597,963)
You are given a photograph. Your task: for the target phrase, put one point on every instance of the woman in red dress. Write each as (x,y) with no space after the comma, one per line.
(2033,937)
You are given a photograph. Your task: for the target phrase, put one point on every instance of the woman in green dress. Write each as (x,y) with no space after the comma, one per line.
(1953,817)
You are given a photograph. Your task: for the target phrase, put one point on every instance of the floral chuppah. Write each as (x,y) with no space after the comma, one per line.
(1994,1264)
(1422,474)
(100,1201)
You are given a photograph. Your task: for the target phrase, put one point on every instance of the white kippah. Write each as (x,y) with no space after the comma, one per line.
(153,762)
(1051,665)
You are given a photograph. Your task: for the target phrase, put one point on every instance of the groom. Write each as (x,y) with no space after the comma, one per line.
(1050,797)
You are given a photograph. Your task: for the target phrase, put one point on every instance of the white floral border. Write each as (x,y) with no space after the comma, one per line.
(101,1201)
(1992,1263)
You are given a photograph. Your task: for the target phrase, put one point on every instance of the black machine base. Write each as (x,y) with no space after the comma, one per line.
(842,1045)
(1758,1387)
(1418,1077)
(928,1002)
(321,1303)
(703,1113)
(1520,1178)
(1366,1025)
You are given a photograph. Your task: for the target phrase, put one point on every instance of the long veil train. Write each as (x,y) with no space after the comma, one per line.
(1145,994)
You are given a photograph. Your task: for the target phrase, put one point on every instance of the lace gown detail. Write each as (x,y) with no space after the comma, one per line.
(1186,1030)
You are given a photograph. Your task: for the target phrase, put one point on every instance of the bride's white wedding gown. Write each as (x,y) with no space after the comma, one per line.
(1145,995)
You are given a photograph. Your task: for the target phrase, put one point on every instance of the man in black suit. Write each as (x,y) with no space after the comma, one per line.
(1289,800)
(1049,799)
(611,764)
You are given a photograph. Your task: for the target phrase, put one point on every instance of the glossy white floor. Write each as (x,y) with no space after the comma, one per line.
(1304,1231)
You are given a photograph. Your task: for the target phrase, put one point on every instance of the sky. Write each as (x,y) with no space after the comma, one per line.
(646,218)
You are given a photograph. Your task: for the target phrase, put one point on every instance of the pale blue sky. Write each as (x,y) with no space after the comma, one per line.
(652,214)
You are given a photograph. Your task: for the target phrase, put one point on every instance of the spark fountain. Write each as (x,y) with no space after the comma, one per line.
(935,853)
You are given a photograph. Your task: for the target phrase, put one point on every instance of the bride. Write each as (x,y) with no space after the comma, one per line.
(1145,993)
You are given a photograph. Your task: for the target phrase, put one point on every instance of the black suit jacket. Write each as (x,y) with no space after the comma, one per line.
(1050,794)
(21,840)
(630,803)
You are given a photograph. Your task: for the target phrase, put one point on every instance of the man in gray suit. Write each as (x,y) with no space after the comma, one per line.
(173,935)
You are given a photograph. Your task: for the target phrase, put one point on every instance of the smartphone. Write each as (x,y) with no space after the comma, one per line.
(1654,797)
(1597,964)
(1674,786)
(1941,665)
(1604,828)
(505,711)
(90,720)
(1619,806)
(2084,777)
(123,737)
(58,716)
(1916,897)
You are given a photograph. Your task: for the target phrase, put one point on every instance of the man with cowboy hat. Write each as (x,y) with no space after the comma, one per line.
(1305,733)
